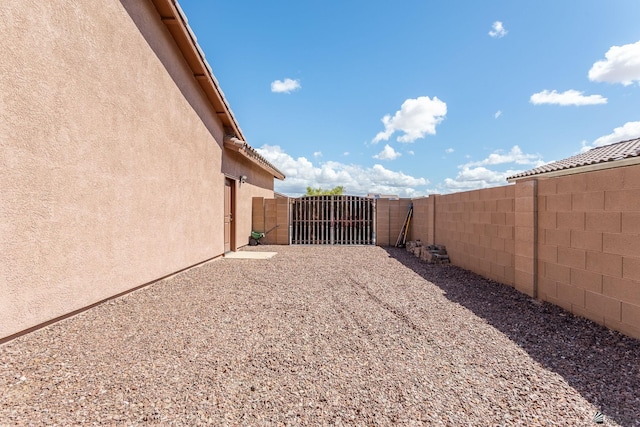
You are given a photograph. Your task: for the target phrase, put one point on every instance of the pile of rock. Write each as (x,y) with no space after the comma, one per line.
(415,247)
(434,254)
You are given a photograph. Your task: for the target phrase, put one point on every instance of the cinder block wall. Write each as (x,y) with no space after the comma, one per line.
(477,227)
(390,217)
(589,246)
(398,210)
(269,213)
(382,223)
(573,241)
(525,226)
(422,225)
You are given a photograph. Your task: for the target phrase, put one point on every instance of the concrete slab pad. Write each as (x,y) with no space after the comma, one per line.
(250,255)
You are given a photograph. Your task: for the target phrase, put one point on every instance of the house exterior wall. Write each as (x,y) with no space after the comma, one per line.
(111,158)
(259,183)
(234,165)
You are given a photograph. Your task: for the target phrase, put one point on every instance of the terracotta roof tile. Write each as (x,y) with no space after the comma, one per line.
(608,153)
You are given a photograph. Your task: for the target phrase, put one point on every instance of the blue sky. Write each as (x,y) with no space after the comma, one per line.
(416,97)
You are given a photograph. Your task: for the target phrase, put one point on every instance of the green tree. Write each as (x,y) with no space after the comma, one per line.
(336,191)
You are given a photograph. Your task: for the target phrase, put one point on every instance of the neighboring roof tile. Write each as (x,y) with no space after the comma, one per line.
(608,153)
(240,146)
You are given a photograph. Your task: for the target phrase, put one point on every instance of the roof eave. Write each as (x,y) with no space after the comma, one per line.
(248,152)
(175,20)
(580,169)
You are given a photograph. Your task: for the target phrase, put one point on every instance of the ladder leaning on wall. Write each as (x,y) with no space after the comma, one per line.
(402,237)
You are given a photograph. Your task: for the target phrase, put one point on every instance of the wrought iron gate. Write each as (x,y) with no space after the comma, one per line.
(333,220)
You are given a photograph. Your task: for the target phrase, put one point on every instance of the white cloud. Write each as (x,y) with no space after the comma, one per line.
(388,153)
(622,65)
(515,155)
(479,177)
(416,118)
(449,150)
(357,180)
(285,86)
(317,154)
(497,114)
(569,97)
(410,152)
(629,130)
(497,30)
(346,153)
(474,175)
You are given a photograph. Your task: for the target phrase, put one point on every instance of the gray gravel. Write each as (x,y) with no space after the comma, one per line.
(322,336)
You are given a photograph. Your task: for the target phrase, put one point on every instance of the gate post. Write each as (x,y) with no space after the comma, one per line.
(332,227)
(373,207)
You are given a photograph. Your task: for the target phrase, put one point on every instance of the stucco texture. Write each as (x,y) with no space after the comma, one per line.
(258,183)
(111,166)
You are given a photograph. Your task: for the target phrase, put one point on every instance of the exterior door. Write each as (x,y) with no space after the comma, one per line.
(228,214)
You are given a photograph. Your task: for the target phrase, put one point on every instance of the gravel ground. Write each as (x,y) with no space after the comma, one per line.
(322,336)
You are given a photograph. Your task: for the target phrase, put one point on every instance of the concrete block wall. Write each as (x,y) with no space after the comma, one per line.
(422,225)
(589,245)
(382,223)
(478,229)
(431,219)
(243,204)
(269,213)
(525,217)
(390,217)
(573,241)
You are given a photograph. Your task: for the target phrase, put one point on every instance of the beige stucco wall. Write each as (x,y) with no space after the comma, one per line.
(259,183)
(110,159)
(234,165)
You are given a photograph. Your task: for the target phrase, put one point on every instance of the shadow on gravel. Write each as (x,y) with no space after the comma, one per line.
(602,365)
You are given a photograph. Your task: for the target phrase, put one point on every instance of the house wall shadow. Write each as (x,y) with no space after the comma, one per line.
(601,364)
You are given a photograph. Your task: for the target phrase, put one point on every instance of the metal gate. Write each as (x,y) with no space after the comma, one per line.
(333,220)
